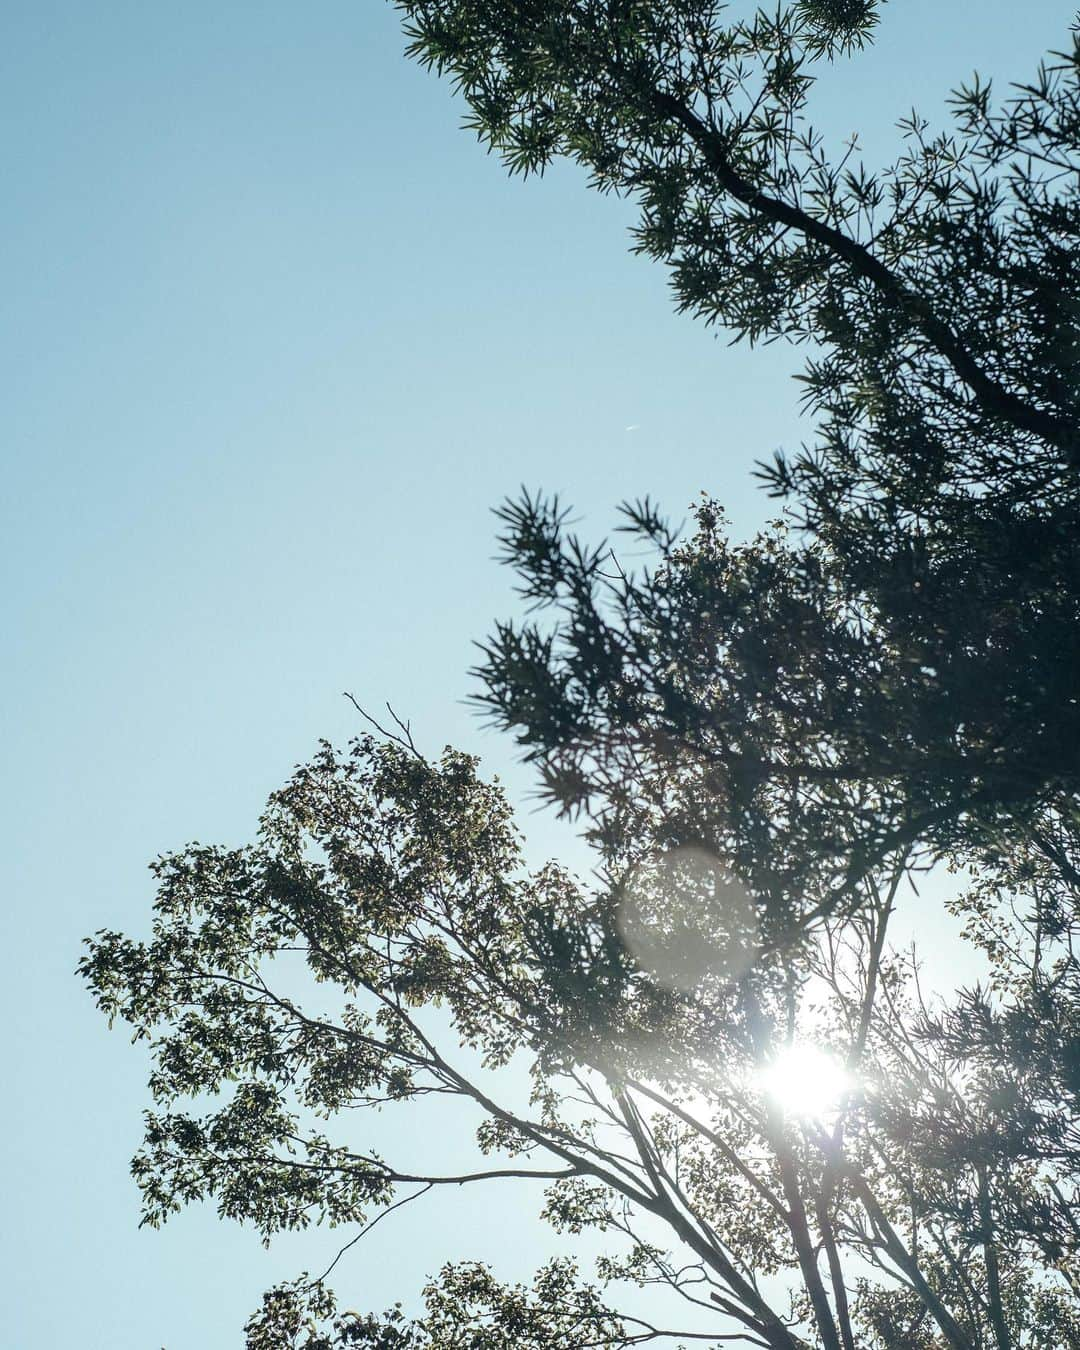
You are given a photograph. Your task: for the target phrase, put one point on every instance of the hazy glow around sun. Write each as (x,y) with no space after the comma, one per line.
(805,1081)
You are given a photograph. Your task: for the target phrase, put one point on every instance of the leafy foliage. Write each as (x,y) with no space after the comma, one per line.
(466,1307)
(399,882)
(941,299)
(767,742)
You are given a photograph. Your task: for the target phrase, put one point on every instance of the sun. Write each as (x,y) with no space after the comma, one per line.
(806,1082)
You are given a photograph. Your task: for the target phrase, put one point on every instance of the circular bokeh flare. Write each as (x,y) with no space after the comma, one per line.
(686,921)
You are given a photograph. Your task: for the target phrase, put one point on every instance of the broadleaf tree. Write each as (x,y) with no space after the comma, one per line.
(710,1054)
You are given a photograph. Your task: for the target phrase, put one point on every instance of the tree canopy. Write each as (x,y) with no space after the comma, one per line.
(709,1051)
(940,299)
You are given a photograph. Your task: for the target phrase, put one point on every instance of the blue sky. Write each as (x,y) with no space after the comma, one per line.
(277,336)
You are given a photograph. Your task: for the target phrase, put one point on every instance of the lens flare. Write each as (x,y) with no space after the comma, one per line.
(686,920)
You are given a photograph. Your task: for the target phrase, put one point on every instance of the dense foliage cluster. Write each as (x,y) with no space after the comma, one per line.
(710,1051)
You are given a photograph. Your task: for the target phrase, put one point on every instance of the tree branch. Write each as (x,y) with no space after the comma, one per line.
(988,392)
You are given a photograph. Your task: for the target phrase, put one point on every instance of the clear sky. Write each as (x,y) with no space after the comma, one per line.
(276,337)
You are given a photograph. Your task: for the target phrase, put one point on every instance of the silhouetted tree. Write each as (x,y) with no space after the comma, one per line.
(942,299)
(710,1051)
(834,1160)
